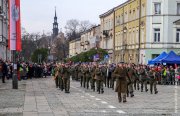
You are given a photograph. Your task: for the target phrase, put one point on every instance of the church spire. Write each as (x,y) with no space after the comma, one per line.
(55,25)
(55,12)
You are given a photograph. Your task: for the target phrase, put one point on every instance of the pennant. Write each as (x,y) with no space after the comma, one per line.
(14,25)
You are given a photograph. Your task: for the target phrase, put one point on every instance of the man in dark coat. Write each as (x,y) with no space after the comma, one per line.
(120,74)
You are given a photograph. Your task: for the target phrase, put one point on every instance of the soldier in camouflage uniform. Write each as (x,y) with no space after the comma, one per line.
(136,81)
(60,77)
(55,74)
(104,73)
(87,75)
(93,80)
(143,78)
(131,78)
(83,71)
(66,78)
(80,75)
(99,79)
(153,82)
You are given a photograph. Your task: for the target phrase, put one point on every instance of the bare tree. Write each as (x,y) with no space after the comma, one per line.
(85,25)
(74,28)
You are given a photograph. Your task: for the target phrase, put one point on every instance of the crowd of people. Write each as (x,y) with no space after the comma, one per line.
(127,77)
(25,70)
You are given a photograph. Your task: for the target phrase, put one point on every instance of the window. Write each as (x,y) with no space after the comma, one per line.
(178,8)
(157,35)
(157,8)
(178,35)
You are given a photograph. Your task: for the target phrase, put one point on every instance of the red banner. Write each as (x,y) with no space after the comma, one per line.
(14,25)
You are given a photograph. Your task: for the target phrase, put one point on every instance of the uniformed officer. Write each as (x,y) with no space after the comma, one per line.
(120,74)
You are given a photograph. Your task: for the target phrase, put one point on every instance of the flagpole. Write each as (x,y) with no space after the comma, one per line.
(14,79)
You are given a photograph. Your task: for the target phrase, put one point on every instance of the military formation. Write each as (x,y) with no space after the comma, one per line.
(123,78)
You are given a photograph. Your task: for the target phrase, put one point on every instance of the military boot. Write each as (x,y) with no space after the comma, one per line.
(102,91)
(132,94)
(156,92)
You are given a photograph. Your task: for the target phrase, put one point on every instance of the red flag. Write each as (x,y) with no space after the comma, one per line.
(15,25)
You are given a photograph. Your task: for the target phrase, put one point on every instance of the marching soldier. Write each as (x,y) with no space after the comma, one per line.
(80,75)
(61,84)
(66,78)
(152,76)
(99,79)
(130,80)
(104,73)
(136,81)
(55,74)
(120,74)
(83,71)
(93,80)
(143,78)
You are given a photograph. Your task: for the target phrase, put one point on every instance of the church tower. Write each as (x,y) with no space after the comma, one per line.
(55,26)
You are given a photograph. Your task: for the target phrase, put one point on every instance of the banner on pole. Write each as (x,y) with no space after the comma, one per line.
(14,42)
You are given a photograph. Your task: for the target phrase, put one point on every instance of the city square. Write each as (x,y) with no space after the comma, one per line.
(90,58)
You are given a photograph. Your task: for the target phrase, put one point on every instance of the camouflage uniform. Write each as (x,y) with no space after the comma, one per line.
(153,83)
(99,80)
(143,79)
(66,78)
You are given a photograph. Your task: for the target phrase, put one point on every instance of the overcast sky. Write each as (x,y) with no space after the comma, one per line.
(37,15)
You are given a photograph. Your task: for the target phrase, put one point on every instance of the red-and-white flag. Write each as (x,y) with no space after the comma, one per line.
(14,25)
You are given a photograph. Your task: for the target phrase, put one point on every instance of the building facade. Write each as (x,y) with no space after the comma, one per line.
(4,52)
(88,40)
(107,33)
(146,28)
(74,47)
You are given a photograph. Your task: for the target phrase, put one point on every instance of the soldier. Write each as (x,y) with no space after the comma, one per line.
(60,76)
(83,71)
(136,81)
(143,78)
(120,74)
(104,73)
(55,74)
(66,78)
(76,72)
(152,76)
(93,80)
(80,75)
(72,70)
(99,79)
(131,79)
(88,75)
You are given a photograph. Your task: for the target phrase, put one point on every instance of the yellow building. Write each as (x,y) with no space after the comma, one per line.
(130,30)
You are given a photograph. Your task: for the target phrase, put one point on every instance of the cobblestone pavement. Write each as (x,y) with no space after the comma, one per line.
(39,97)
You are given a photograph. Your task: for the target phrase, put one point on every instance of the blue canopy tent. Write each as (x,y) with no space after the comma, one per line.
(158,59)
(171,58)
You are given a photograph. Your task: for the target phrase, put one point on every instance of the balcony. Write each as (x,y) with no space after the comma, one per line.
(106,33)
(82,43)
(87,43)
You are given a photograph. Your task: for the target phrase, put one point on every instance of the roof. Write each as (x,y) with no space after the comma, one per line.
(77,39)
(113,9)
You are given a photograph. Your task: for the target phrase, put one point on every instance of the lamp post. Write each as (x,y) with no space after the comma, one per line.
(49,48)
